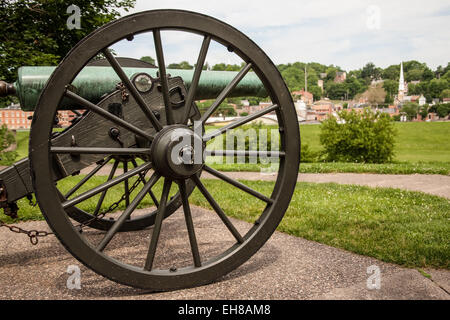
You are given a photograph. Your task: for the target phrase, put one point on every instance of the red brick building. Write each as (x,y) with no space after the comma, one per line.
(17,119)
(14,118)
(305,96)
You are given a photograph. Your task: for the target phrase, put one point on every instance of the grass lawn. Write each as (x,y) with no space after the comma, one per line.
(403,227)
(416,141)
(421,147)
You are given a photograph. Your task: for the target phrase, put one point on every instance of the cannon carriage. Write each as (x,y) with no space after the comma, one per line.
(141,124)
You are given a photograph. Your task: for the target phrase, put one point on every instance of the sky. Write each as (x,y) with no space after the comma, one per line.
(347,33)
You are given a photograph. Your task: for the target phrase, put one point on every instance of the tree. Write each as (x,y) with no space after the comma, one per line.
(226,67)
(390,86)
(436,86)
(392,72)
(413,64)
(354,86)
(148,59)
(443,110)
(182,65)
(427,74)
(376,95)
(424,111)
(445,94)
(362,137)
(331,73)
(414,75)
(35,32)
(205,66)
(411,109)
(316,92)
(439,71)
(369,71)
(336,91)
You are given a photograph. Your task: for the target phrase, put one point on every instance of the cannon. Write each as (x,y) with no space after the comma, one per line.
(141,124)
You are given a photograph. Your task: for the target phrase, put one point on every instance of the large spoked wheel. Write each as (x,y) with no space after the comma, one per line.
(141,267)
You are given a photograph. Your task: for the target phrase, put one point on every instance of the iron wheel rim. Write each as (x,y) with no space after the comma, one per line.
(40,146)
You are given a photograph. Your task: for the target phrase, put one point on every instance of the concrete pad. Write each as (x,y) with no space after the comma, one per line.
(403,285)
(441,278)
(286,267)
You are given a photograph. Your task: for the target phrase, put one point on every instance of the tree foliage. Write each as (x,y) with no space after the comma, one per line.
(411,109)
(148,59)
(182,65)
(227,67)
(362,137)
(35,32)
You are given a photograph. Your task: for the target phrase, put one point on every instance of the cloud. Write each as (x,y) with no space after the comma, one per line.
(346,33)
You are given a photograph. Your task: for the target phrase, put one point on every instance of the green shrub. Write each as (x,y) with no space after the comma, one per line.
(361,137)
(307,155)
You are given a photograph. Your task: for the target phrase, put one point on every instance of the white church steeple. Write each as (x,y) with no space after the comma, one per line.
(401,84)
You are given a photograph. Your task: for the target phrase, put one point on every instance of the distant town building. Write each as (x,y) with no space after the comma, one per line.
(340,76)
(245,103)
(14,118)
(422,100)
(391,110)
(320,84)
(305,96)
(323,109)
(301,109)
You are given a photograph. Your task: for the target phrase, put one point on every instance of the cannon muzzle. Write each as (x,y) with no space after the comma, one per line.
(6,89)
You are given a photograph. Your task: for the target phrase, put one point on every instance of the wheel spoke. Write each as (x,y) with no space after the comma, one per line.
(127,189)
(217,209)
(157,227)
(189,223)
(150,192)
(245,153)
(128,211)
(163,75)
(196,76)
(86,178)
(102,196)
(239,122)
(92,150)
(225,92)
(105,114)
(134,92)
(237,184)
(104,186)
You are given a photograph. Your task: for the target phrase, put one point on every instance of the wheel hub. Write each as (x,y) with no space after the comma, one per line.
(177,152)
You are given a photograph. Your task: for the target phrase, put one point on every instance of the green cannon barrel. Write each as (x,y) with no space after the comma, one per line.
(94,81)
